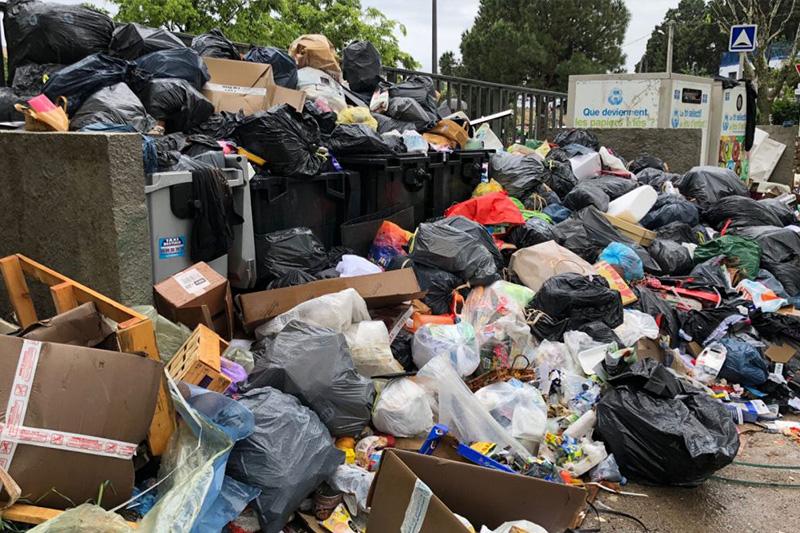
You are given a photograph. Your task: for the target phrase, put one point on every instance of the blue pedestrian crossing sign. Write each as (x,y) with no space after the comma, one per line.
(743,38)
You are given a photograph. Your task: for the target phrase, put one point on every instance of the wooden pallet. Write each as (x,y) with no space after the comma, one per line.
(198,361)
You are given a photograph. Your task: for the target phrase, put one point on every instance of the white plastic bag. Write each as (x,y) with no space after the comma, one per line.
(518,407)
(352,479)
(636,325)
(585,351)
(763,298)
(414,142)
(456,341)
(371,348)
(317,84)
(354,265)
(336,311)
(402,409)
(517,526)
(611,161)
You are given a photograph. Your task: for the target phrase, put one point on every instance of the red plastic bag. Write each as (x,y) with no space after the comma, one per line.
(490,209)
(389,242)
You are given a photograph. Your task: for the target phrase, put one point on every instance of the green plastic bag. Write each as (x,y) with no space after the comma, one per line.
(739,252)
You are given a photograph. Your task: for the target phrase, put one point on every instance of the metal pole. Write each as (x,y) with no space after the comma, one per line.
(435,55)
(741,65)
(671,25)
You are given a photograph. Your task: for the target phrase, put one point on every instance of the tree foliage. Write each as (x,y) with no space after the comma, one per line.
(274,22)
(539,43)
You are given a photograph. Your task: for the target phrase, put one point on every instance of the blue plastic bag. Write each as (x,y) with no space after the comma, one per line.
(744,363)
(619,255)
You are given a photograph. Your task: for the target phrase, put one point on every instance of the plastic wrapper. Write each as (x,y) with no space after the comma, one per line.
(287,457)
(175,102)
(357,115)
(361,66)
(673,258)
(586,195)
(215,44)
(41,32)
(577,136)
(287,140)
(402,409)
(534,231)
(284,68)
(741,211)
(113,105)
(370,348)
(579,299)
(337,311)
(407,109)
(319,85)
(708,184)
(281,252)
(739,252)
(497,314)
(29,79)
(352,479)
(662,433)
(625,259)
(348,139)
(608,470)
(238,354)
(419,88)
(744,363)
(518,407)
(132,40)
(170,336)
(458,408)
(183,63)
(636,325)
(314,364)
(456,342)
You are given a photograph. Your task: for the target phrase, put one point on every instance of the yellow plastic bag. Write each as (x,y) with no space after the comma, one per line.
(357,115)
(484,188)
(543,149)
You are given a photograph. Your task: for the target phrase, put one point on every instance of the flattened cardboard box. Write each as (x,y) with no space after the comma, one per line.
(405,479)
(85,391)
(197,295)
(378,290)
(243,85)
(81,326)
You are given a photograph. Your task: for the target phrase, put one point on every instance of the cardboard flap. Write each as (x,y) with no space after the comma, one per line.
(81,326)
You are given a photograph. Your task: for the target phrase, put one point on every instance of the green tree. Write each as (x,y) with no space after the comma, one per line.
(539,43)
(275,22)
(698,42)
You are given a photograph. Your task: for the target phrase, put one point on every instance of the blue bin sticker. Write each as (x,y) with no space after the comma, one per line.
(169,247)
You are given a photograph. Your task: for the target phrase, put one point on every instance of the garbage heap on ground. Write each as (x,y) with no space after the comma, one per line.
(580,320)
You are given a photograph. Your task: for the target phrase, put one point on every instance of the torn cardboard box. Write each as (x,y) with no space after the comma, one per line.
(780,352)
(246,86)
(414,492)
(197,295)
(378,290)
(80,326)
(73,419)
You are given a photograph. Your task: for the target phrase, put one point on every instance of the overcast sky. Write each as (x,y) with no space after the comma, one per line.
(455,16)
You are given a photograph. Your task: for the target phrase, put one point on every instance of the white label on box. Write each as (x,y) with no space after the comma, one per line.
(417,508)
(236,89)
(192,281)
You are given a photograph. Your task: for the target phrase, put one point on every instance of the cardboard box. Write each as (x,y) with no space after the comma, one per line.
(81,326)
(88,392)
(634,232)
(649,348)
(243,85)
(780,352)
(378,290)
(483,496)
(197,295)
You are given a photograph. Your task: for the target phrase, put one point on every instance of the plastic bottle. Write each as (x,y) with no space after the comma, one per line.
(583,426)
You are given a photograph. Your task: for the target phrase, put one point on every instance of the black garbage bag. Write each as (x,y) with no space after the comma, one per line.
(283,251)
(336,253)
(660,436)
(286,139)
(774,327)
(214,216)
(479,233)
(441,245)
(29,79)
(314,364)
(646,161)
(534,231)
(678,232)
(613,186)
(406,109)
(784,213)
(788,273)
(195,145)
(439,286)
(741,211)
(557,154)
(357,139)
(587,232)
(654,177)
(711,273)
(175,102)
(40,32)
(113,105)
(577,136)
(744,363)
(519,175)
(7,111)
(665,315)
(326,120)
(401,349)
(284,68)
(182,63)
(387,124)
(600,332)
(420,88)
(579,300)
(219,125)
(707,184)
(557,213)
(777,244)
(700,324)
(670,208)
(288,455)
(215,44)
(132,40)
(585,195)
(559,177)
(673,258)
(78,81)
(361,66)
